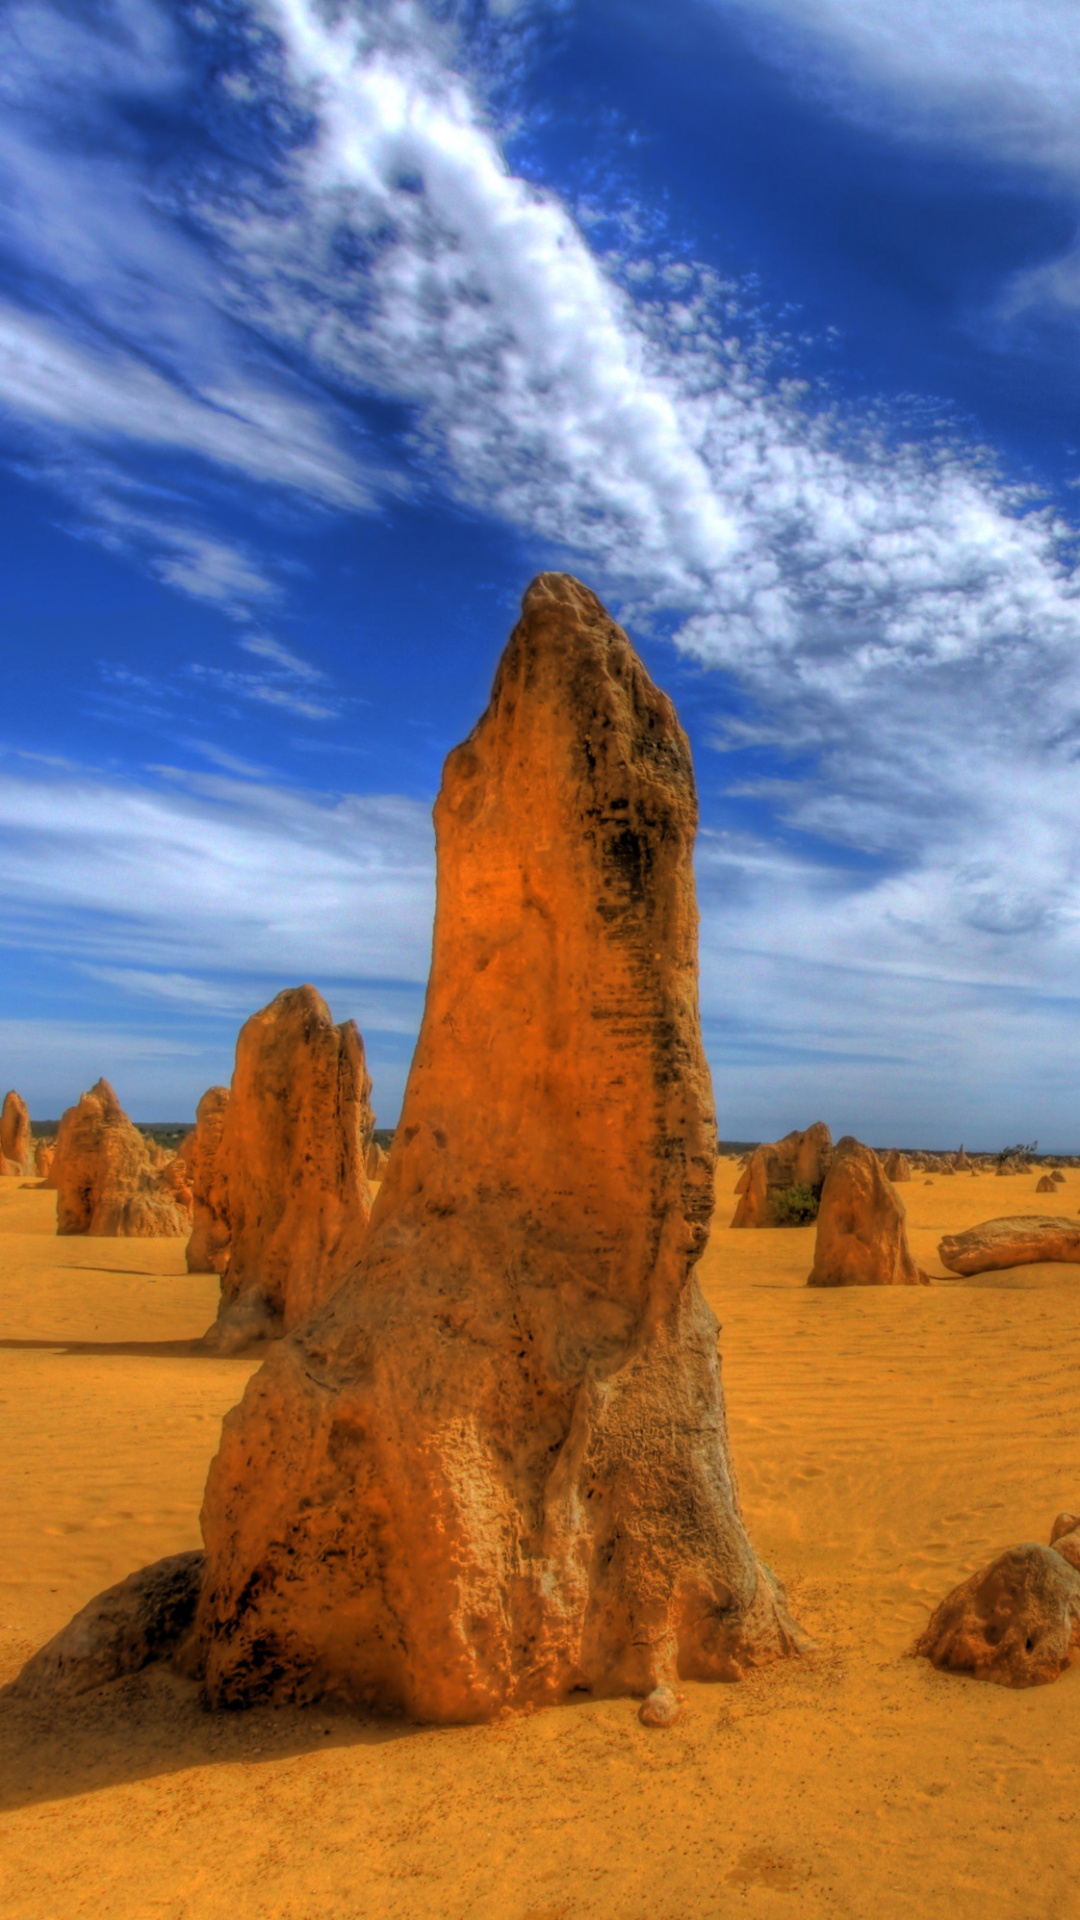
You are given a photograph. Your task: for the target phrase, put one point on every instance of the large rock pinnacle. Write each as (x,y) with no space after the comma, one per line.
(494,1469)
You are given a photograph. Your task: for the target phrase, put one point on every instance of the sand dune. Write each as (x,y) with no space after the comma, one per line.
(888,1440)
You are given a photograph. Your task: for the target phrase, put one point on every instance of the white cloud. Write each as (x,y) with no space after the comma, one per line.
(638,433)
(48,380)
(216,875)
(1001,75)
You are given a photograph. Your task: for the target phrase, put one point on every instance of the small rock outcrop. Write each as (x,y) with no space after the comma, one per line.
(1015,1240)
(861,1231)
(1018,1621)
(799,1160)
(1058,1177)
(294,1139)
(208,1248)
(897,1167)
(1046,1184)
(376,1161)
(16,1150)
(44,1151)
(105,1177)
(121,1631)
(494,1469)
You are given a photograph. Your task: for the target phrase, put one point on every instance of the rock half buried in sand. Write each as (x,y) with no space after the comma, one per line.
(495,1468)
(207,1251)
(661,1708)
(15,1142)
(106,1178)
(1046,1185)
(861,1231)
(294,1140)
(1016,1240)
(897,1166)
(121,1631)
(1017,1622)
(1065,1538)
(798,1160)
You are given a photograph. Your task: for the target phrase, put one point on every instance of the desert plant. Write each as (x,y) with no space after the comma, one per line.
(793,1206)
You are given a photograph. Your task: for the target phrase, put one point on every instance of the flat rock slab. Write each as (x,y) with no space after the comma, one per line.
(1018,1240)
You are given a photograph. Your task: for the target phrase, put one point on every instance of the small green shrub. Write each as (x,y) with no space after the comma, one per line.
(793,1206)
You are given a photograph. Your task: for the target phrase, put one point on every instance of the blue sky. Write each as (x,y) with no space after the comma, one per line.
(323,329)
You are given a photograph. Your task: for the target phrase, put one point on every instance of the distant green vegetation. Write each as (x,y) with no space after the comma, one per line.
(793,1206)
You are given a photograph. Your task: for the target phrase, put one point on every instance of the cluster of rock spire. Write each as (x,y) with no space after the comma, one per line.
(486,1463)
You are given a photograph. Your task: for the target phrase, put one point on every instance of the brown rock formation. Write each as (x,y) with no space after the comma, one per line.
(798,1160)
(294,1140)
(1017,1622)
(376,1161)
(1065,1538)
(1058,1177)
(208,1249)
(1046,1184)
(43,1158)
(897,1167)
(1016,1240)
(861,1236)
(494,1469)
(104,1175)
(121,1631)
(15,1143)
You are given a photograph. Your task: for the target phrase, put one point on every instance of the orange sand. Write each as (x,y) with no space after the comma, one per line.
(887,1441)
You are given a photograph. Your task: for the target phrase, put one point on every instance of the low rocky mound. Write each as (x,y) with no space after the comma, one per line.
(1017,1622)
(107,1179)
(861,1231)
(1015,1240)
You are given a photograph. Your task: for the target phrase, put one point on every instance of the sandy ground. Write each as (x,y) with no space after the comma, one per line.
(887,1443)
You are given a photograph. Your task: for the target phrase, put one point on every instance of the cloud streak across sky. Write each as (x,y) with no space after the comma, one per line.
(898,617)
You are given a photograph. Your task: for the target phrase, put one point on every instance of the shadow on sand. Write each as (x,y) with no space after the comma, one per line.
(150,1725)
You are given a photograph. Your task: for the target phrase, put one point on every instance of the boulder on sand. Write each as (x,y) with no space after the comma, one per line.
(798,1160)
(1017,1622)
(1046,1184)
(295,1133)
(861,1233)
(105,1176)
(494,1470)
(207,1250)
(15,1143)
(121,1631)
(897,1166)
(1015,1240)
(43,1158)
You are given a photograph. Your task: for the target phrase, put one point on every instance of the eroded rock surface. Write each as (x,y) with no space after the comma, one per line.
(294,1139)
(798,1160)
(15,1142)
(106,1179)
(861,1225)
(897,1166)
(1017,1622)
(495,1468)
(1015,1240)
(121,1631)
(43,1158)
(208,1248)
